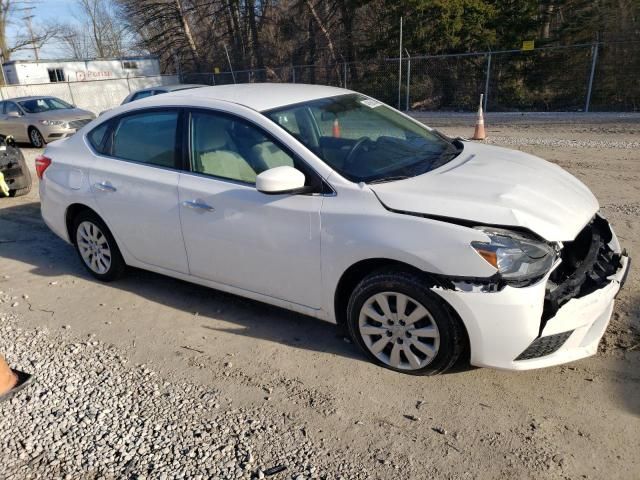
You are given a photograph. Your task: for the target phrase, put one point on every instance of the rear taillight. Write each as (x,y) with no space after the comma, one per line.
(42,163)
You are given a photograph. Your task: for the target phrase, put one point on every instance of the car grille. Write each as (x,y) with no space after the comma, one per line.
(586,263)
(78,124)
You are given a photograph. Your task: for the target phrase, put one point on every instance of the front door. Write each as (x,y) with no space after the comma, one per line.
(235,235)
(135,184)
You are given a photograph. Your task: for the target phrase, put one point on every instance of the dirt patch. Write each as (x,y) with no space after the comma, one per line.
(575,421)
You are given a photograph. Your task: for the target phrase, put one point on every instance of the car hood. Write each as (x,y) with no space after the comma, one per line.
(495,186)
(67,114)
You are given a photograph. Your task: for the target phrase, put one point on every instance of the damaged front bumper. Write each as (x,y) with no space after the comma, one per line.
(556,320)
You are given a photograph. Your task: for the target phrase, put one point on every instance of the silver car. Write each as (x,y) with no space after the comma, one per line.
(39,120)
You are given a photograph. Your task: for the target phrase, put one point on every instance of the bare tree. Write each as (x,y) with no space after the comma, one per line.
(36,36)
(75,43)
(105,33)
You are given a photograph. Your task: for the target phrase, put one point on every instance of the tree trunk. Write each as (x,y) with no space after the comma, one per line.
(188,34)
(255,39)
(327,36)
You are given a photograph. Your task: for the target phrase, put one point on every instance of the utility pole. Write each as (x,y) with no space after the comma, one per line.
(28,19)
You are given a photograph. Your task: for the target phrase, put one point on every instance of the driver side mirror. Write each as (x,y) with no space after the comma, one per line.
(14,114)
(280,180)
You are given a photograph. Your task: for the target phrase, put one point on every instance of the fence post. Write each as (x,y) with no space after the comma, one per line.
(400,66)
(128,84)
(408,79)
(594,60)
(293,74)
(70,92)
(345,74)
(486,83)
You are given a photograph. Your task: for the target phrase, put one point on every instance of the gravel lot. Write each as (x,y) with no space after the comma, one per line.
(151,377)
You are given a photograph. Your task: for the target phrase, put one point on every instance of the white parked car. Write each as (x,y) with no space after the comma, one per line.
(329,203)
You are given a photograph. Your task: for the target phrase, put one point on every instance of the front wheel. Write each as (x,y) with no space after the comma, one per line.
(403,326)
(97,248)
(36,138)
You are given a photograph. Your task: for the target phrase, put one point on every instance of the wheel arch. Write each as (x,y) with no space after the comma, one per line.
(359,270)
(72,212)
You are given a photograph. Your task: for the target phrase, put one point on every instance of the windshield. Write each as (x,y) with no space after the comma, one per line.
(363,139)
(38,105)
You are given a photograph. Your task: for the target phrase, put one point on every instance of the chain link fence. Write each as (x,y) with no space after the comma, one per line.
(589,77)
(596,77)
(95,95)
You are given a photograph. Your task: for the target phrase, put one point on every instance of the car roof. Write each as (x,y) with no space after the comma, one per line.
(22,99)
(262,96)
(170,88)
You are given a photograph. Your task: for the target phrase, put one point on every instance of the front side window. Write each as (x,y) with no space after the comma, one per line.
(363,139)
(148,137)
(38,105)
(228,147)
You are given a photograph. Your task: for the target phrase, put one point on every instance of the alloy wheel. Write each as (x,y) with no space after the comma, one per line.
(399,331)
(94,247)
(36,138)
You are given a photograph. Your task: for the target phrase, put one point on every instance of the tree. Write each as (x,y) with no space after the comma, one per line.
(34,39)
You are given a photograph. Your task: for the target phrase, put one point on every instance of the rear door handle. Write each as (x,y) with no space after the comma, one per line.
(104,187)
(197,205)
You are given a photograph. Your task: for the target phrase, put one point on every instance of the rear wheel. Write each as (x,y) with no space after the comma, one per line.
(401,325)
(36,138)
(97,248)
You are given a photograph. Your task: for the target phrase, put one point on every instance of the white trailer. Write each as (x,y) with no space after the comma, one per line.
(25,72)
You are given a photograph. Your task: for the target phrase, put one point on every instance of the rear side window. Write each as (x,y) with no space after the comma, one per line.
(148,137)
(96,137)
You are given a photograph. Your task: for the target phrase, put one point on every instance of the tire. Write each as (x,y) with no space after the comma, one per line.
(27,174)
(427,339)
(19,192)
(35,138)
(97,248)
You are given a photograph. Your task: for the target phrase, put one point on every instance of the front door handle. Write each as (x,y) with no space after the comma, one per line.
(197,205)
(104,187)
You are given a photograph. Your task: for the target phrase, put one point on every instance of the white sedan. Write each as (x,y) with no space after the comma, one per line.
(329,203)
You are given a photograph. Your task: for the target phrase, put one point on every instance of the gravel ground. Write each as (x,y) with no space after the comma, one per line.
(92,414)
(151,377)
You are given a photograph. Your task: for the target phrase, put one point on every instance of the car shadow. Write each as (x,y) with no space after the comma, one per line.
(24,237)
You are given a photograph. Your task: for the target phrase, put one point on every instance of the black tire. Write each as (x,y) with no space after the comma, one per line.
(35,138)
(27,175)
(117,266)
(19,192)
(452,339)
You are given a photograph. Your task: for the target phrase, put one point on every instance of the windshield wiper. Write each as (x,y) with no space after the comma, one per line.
(388,179)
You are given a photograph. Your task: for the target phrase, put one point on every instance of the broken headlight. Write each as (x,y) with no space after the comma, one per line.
(516,256)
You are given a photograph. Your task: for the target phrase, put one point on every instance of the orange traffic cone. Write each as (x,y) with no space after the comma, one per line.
(479,133)
(336,129)
(8,379)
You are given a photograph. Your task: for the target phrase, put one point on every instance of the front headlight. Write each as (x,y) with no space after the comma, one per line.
(516,256)
(52,123)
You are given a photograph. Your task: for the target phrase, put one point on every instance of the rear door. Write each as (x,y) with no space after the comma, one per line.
(134,180)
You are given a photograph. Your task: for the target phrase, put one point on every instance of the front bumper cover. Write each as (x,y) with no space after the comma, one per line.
(503,325)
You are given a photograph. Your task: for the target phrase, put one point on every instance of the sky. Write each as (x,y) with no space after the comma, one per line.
(44,11)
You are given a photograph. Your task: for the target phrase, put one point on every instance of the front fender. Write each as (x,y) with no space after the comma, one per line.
(356,227)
